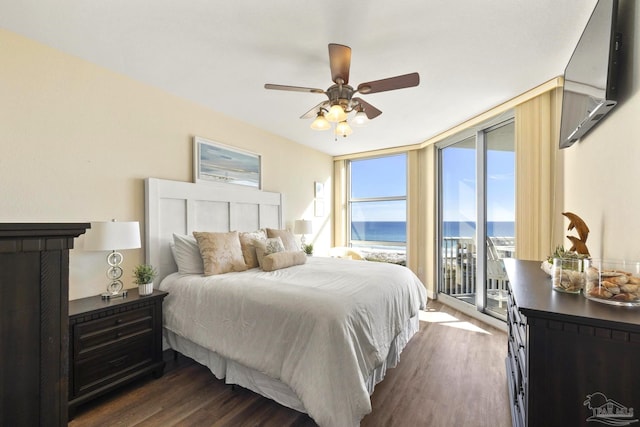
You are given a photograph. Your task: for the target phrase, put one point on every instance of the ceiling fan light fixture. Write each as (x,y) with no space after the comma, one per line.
(336,114)
(320,123)
(360,119)
(343,129)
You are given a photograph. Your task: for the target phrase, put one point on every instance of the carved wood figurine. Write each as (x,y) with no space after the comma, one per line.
(579,243)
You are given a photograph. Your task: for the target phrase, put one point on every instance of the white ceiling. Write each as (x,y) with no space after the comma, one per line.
(471,54)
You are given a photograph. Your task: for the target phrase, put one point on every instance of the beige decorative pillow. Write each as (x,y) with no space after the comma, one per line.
(247,243)
(221,252)
(288,240)
(267,247)
(279,260)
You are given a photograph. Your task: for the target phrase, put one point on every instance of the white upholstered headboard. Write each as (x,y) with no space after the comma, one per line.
(182,207)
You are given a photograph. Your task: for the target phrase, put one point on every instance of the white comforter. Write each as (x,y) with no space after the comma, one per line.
(321,328)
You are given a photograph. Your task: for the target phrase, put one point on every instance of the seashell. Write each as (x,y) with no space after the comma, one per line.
(629,288)
(624,297)
(611,287)
(593,274)
(576,278)
(634,280)
(600,293)
(547,267)
(621,279)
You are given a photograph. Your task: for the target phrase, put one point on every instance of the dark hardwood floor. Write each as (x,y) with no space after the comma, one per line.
(451,374)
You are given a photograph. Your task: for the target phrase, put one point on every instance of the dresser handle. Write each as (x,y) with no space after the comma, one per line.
(119,334)
(118,321)
(119,361)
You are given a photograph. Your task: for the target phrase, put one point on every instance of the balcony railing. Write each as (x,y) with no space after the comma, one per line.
(459,264)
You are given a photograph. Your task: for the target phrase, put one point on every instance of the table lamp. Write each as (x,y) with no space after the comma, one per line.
(302,226)
(113,236)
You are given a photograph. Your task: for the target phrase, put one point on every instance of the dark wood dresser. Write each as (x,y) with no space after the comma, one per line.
(113,342)
(34,296)
(571,361)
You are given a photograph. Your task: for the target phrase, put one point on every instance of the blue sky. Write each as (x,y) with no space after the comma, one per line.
(386,176)
(382,177)
(459,180)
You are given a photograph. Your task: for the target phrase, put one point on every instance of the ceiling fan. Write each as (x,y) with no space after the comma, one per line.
(340,100)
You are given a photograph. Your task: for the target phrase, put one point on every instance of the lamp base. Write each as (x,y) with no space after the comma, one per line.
(110,295)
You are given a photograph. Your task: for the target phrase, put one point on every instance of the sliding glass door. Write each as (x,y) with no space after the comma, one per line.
(477,217)
(500,213)
(458,220)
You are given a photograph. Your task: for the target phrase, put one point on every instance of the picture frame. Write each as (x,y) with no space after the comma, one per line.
(216,162)
(318,208)
(319,190)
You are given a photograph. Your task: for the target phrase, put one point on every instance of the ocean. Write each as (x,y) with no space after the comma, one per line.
(396,231)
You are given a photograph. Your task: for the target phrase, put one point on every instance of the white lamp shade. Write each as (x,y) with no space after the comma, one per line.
(112,235)
(320,123)
(360,119)
(343,129)
(336,114)
(302,226)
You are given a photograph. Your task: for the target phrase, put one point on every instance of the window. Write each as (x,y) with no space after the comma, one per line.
(377,202)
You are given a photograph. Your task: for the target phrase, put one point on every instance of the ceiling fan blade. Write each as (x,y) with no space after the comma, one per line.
(314,111)
(371,111)
(340,62)
(392,83)
(293,88)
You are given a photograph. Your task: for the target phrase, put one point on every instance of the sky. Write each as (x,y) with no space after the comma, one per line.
(386,176)
(459,180)
(381,177)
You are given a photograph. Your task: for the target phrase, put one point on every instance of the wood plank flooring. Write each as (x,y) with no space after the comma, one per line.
(451,374)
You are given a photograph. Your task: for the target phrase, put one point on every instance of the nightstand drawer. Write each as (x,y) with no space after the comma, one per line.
(103,332)
(105,367)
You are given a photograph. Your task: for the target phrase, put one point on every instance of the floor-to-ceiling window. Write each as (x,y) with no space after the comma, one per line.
(377,203)
(477,216)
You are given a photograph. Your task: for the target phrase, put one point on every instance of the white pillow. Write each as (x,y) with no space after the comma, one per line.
(187,254)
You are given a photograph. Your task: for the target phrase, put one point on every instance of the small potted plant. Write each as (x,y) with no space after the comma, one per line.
(308,249)
(143,276)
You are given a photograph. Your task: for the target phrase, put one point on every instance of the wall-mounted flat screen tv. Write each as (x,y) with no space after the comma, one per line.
(590,90)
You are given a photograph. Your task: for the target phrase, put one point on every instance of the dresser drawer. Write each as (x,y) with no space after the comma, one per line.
(96,334)
(105,367)
(514,365)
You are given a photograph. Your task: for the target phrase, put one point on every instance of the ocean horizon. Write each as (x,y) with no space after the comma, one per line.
(396,231)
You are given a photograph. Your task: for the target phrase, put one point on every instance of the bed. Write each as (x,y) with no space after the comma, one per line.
(315,337)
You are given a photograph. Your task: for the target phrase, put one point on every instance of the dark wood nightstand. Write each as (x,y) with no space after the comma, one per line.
(113,342)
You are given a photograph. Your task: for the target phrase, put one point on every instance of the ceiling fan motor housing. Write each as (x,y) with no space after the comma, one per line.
(340,95)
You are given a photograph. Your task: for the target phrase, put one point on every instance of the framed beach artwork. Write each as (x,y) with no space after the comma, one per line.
(215,162)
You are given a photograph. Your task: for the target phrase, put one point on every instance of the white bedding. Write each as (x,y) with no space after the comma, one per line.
(321,328)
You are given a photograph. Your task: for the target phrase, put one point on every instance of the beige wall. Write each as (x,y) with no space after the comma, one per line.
(602,171)
(78,140)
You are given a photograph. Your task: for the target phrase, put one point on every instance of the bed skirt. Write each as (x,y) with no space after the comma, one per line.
(235,373)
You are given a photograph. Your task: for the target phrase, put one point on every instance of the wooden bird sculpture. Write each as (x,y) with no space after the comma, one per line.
(580,242)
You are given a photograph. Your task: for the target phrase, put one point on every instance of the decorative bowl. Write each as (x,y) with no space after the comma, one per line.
(614,282)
